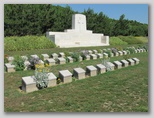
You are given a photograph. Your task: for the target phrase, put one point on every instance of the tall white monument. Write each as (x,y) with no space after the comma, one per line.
(78,36)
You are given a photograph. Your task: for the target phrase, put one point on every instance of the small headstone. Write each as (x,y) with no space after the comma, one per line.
(124,63)
(65,76)
(95,51)
(91,70)
(51,61)
(99,55)
(138,50)
(9,67)
(27,65)
(135,51)
(116,54)
(141,50)
(10,59)
(70,59)
(110,66)
(111,54)
(124,52)
(105,55)
(101,68)
(90,52)
(136,60)
(54,55)
(80,58)
(93,56)
(45,56)
(117,64)
(120,53)
(29,84)
(25,58)
(52,80)
(61,54)
(61,60)
(87,57)
(131,62)
(79,73)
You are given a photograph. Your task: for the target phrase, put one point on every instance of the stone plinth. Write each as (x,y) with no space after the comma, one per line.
(101,68)
(124,63)
(111,54)
(70,59)
(25,58)
(41,63)
(87,57)
(120,53)
(10,59)
(116,54)
(27,65)
(80,58)
(95,51)
(79,73)
(105,55)
(51,61)
(52,80)
(34,56)
(93,56)
(61,60)
(90,52)
(110,66)
(131,62)
(99,55)
(124,52)
(61,54)
(9,67)
(138,50)
(135,51)
(45,56)
(54,55)
(136,60)
(29,84)
(117,64)
(65,76)
(91,70)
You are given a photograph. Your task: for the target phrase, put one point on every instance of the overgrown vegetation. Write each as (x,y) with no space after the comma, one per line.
(19,63)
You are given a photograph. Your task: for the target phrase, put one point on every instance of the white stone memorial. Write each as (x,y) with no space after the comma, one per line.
(91,70)
(117,64)
(51,61)
(131,62)
(110,66)
(99,55)
(136,60)
(9,67)
(45,56)
(54,55)
(93,56)
(78,36)
(10,59)
(52,80)
(65,76)
(61,54)
(79,73)
(124,63)
(25,58)
(101,68)
(61,60)
(70,59)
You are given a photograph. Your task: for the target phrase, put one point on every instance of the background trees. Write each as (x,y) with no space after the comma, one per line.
(36,19)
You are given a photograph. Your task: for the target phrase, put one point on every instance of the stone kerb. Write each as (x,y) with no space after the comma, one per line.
(136,60)
(124,63)
(101,68)
(93,56)
(61,60)
(9,67)
(52,80)
(91,70)
(65,76)
(51,61)
(45,56)
(79,73)
(29,84)
(54,55)
(131,62)
(117,64)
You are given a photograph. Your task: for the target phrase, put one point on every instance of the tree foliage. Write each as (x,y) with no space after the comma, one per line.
(36,19)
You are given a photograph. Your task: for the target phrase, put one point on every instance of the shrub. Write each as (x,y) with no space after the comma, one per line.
(19,63)
(117,41)
(33,61)
(83,54)
(22,43)
(130,39)
(75,57)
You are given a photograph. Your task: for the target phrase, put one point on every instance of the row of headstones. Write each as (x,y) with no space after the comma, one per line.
(61,60)
(29,83)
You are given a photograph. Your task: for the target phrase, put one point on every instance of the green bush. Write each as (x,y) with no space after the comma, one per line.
(130,40)
(16,43)
(19,63)
(117,41)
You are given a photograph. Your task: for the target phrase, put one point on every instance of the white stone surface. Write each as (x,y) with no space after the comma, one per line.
(61,54)
(90,52)
(99,55)
(25,58)
(95,51)
(118,64)
(65,76)
(54,55)
(78,36)
(51,61)
(124,63)
(80,58)
(79,73)
(111,65)
(124,52)
(34,56)
(45,56)
(101,68)
(29,84)
(52,80)
(87,57)
(136,60)
(10,59)
(9,67)
(91,70)
(131,62)
(120,53)
(61,60)
(105,55)
(70,59)
(93,56)
(27,64)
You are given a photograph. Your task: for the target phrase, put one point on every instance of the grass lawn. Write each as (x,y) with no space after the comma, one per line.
(123,90)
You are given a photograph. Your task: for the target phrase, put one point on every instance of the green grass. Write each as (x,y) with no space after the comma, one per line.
(123,90)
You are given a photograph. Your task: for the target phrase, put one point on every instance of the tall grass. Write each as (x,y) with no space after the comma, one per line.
(16,43)
(131,40)
(117,41)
